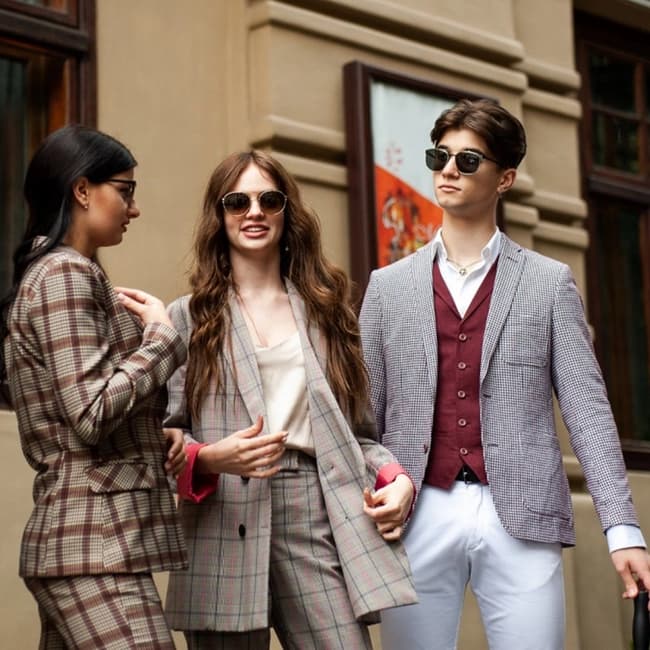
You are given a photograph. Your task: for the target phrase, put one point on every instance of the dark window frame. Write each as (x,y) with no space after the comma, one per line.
(69,17)
(26,25)
(29,30)
(593,33)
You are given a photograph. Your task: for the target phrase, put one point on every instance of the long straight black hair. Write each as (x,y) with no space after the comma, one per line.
(62,158)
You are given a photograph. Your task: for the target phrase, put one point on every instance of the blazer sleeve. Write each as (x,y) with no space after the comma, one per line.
(177,414)
(383,462)
(191,485)
(370,325)
(585,408)
(69,320)
(379,460)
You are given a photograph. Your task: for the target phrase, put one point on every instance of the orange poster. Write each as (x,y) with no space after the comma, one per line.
(406,213)
(406,220)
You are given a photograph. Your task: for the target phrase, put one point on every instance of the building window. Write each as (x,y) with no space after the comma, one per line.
(47,79)
(615,144)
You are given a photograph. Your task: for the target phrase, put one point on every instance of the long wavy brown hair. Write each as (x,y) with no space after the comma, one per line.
(324,288)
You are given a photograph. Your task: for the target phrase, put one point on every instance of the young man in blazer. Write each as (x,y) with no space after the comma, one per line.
(466,342)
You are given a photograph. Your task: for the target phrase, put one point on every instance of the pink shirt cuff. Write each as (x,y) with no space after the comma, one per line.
(191,485)
(388,473)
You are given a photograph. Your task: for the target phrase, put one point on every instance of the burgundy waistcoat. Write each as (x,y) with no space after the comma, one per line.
(456,438)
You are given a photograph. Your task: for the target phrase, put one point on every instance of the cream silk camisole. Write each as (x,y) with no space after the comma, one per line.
(284,384)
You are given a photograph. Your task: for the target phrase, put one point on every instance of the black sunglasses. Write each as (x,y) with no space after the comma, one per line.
(467,162)
(237,204)
(129,191)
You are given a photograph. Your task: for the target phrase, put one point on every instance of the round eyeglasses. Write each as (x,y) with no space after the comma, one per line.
(467,162)
(237,204)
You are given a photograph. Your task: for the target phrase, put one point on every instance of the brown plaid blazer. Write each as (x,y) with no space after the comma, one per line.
(87,384)
(227,586)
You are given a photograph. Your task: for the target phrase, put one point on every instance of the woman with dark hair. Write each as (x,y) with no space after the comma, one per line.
(85,379)
(273,402)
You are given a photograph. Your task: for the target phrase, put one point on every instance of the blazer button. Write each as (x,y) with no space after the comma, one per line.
(245,479)
(242,530)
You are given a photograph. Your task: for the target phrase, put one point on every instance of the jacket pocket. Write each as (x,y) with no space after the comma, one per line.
(391,440)
(525,341)
(544,482)
(120,477)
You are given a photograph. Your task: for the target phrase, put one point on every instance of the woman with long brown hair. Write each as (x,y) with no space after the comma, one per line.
(291,508)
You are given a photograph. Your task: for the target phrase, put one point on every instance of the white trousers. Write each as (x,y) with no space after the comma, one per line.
(455,538)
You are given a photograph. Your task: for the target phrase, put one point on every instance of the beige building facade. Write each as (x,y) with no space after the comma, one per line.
(184,82)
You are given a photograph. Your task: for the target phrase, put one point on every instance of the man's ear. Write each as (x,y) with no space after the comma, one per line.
(507,180)
(80,192)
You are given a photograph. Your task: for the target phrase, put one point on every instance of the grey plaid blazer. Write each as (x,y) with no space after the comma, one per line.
(536,343)
(88,388)
(227,586)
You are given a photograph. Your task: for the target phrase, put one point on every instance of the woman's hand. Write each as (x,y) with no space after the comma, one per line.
(389,506)
(176,454)
(244,453)
(146,307)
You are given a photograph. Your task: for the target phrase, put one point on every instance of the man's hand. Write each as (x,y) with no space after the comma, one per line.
(632,564)
(389,506)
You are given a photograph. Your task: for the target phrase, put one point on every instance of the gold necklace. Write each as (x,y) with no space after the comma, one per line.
(464,269)
(261,340)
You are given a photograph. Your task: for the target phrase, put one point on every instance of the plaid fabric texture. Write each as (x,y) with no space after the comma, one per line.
(227,586)
(114,612)
(536,344)
(310,606)
(88,389)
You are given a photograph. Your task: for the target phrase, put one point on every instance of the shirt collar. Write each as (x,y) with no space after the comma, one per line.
(489,253)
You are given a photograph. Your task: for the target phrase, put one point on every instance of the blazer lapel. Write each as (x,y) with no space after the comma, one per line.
(422,269)
(330,430)
(509,269)
(310,335)
(243,364)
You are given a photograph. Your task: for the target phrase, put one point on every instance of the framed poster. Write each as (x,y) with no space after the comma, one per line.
(388,118)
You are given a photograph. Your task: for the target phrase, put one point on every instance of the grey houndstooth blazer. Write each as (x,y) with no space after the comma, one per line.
(227,586)
(536,343)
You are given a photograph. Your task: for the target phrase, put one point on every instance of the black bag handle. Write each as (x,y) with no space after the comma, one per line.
(641,622)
